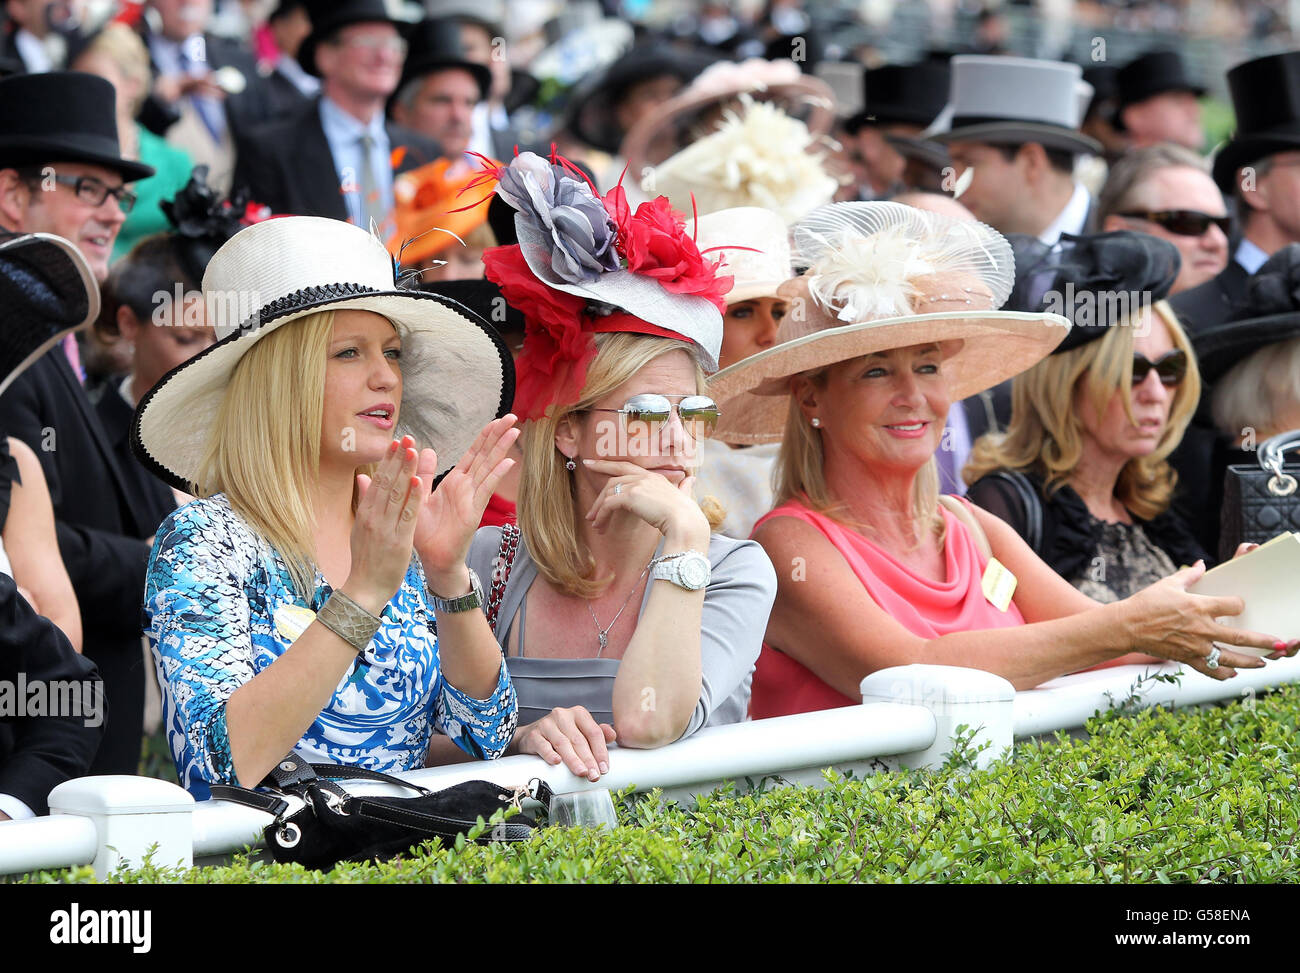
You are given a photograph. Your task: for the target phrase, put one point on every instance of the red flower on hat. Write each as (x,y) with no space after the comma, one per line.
(654,243)
(557,346)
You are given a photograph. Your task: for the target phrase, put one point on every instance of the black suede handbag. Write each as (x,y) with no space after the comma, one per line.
(1260,502)
(318,824)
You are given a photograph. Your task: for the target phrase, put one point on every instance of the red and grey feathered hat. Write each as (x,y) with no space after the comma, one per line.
(587,264)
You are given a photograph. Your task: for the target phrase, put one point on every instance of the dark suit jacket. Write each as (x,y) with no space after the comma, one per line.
(1200,485)
(244,111)
(153,499)
(283,98)
(101,528)
(39,752)
(288,166)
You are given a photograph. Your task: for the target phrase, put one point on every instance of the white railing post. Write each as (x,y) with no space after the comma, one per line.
(956,696)
(133,816)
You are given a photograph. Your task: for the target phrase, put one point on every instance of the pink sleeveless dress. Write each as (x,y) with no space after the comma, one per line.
(924,607)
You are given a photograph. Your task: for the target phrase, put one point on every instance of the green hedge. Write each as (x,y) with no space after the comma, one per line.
(1201,796)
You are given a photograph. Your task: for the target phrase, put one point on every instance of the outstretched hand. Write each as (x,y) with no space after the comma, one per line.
(448,518)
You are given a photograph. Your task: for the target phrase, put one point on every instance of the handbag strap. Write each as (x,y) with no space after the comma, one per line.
(501,571)
(1272,450)
(293,774)
(1029,502)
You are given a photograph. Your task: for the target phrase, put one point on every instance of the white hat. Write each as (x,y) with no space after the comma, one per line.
(883,276)
(1013,100)
(457,374)
(754,245)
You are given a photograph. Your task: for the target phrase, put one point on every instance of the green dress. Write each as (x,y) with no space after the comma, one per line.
(173,167)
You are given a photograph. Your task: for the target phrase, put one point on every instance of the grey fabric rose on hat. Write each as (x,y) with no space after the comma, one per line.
(563,207)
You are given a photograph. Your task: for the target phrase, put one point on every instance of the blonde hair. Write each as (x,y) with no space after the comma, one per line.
(799,473)
(265,443)
(1046,434)
(1257,390)
(547,510)
(123,46)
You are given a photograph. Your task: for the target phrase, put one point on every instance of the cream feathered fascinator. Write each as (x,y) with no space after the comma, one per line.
(883,276)
(759,156)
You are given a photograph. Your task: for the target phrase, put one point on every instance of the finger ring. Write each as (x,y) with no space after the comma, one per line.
(618,488)
(1212,660)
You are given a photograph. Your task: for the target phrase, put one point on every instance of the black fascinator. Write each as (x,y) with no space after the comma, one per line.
(1098,281)
(1269,314)
(203,219)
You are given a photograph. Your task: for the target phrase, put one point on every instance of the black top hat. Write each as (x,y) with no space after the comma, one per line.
(1104,79)
(329,16)
(594,98)
(908,94)
(47,291)
(1091,279)
(1269,314)
(1147,75)
(62,116)
(1266,99)
(436,46)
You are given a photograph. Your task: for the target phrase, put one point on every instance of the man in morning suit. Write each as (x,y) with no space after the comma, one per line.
(61,172)
(337,157)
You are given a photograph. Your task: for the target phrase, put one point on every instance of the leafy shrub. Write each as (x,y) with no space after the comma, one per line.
(1193,796)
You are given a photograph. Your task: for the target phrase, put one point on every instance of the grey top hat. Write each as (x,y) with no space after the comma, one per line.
(1013,100)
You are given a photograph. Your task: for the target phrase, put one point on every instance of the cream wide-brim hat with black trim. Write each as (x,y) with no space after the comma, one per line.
(457,374)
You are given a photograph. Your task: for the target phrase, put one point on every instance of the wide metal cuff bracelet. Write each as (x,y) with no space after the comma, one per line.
(348,620)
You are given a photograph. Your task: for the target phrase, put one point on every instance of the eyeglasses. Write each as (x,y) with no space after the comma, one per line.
(699,413)
(1171,367)
(1183,222)
(93,192)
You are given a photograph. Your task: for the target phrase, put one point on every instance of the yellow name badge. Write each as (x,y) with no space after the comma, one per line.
(998,584)
(292,620)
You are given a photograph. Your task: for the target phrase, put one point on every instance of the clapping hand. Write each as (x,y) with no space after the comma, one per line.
(451,513)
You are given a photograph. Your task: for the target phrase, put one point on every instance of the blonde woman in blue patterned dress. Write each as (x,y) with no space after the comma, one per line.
(315,597)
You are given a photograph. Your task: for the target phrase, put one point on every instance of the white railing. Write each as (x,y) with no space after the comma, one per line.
(908,719)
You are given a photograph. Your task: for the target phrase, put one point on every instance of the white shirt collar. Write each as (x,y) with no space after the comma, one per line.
(35,55)
(1250,256)
(1072,219)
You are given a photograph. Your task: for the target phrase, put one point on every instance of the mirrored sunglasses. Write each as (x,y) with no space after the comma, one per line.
(698,413)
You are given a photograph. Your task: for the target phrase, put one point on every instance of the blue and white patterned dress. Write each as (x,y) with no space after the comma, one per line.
(220,607)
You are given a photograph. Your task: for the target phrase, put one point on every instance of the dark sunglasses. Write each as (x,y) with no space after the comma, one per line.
(1171,367)
(699,413)
(1184,222)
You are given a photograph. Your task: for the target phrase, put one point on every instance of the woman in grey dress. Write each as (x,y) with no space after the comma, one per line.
(622,615)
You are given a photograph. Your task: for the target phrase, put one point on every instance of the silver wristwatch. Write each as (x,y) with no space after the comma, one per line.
(689,570)
(465,602)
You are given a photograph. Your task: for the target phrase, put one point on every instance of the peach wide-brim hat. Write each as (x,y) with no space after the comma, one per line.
(951,275)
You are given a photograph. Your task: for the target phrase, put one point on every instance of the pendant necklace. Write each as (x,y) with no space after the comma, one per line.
(603,634)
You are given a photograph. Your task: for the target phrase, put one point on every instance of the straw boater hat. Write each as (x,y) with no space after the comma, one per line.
(456,373)
(47,291)
(1014,100)
(882,276)
(754,244)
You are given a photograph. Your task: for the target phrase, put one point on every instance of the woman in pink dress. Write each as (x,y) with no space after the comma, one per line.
(894,321)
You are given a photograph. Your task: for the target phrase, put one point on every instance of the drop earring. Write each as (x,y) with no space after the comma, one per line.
(570,465)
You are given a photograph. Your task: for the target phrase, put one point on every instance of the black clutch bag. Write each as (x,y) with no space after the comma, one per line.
(1260,502)
(318,824)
